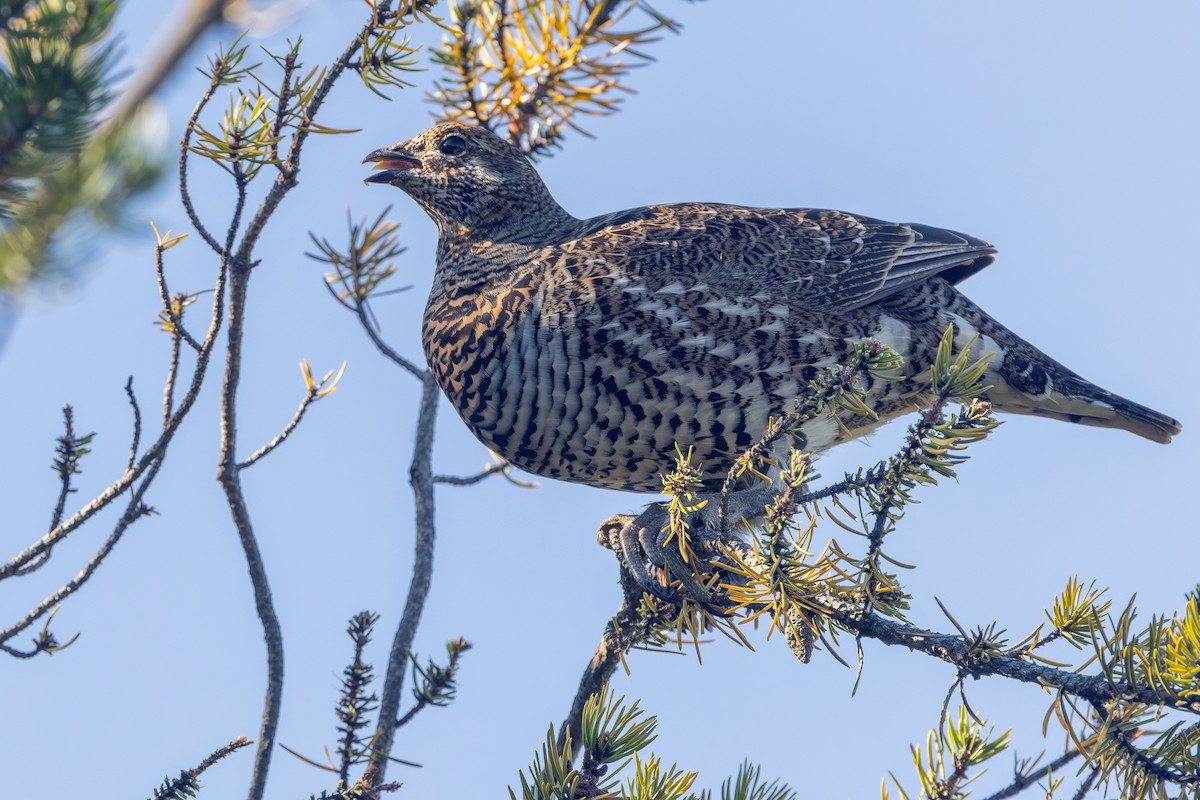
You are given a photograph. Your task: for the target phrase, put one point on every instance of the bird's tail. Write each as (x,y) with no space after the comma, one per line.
(1094,406)
(1027,381)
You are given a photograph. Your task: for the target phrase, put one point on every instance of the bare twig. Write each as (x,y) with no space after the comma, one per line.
(153,454)
(172,375)
(284,434)
(384,347)
(137,424)
(285,97)
(175,317)
(408,715)
(1086,785)
(499,468)
(469,480)
(421,479)
(184,194)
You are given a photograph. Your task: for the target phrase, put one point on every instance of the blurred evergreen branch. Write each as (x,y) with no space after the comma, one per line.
(749,785)
(65,176)
(58,171)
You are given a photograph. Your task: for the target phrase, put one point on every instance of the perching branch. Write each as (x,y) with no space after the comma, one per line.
(154,453)
(619,636)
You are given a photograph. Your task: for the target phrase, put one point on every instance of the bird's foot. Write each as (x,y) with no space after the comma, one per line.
(654,563)
(674,570)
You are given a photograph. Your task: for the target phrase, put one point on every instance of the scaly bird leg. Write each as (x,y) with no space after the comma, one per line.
(648,553)
(644,546)
(635,561)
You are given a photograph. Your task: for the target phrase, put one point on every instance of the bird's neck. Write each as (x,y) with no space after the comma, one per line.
(534,219)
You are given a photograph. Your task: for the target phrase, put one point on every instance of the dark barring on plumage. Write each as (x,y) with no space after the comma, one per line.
(584,350)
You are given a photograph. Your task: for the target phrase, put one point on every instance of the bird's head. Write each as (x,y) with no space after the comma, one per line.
(467,178)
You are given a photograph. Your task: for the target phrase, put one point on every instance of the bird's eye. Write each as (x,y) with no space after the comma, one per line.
(453,145)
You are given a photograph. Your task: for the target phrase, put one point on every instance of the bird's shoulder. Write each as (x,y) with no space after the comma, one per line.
(735,247)
(823,231)
(821,259)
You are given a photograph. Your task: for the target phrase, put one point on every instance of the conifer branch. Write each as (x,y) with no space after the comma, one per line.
(186,785)
(1028,776)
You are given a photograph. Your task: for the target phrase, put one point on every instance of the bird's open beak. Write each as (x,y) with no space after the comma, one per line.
(389,164)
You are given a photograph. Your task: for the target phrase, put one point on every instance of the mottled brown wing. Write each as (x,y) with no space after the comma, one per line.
(824,261)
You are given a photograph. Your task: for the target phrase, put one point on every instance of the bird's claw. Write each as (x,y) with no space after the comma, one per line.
(659,566)
(635,560)
(644,546)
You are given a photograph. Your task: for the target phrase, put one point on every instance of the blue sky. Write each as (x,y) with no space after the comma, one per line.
(1063,133)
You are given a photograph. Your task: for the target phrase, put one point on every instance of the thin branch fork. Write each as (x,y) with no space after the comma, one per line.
(184,143)
(135,510)
(286,180)
(146,468)
(230,468)
(153,454)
